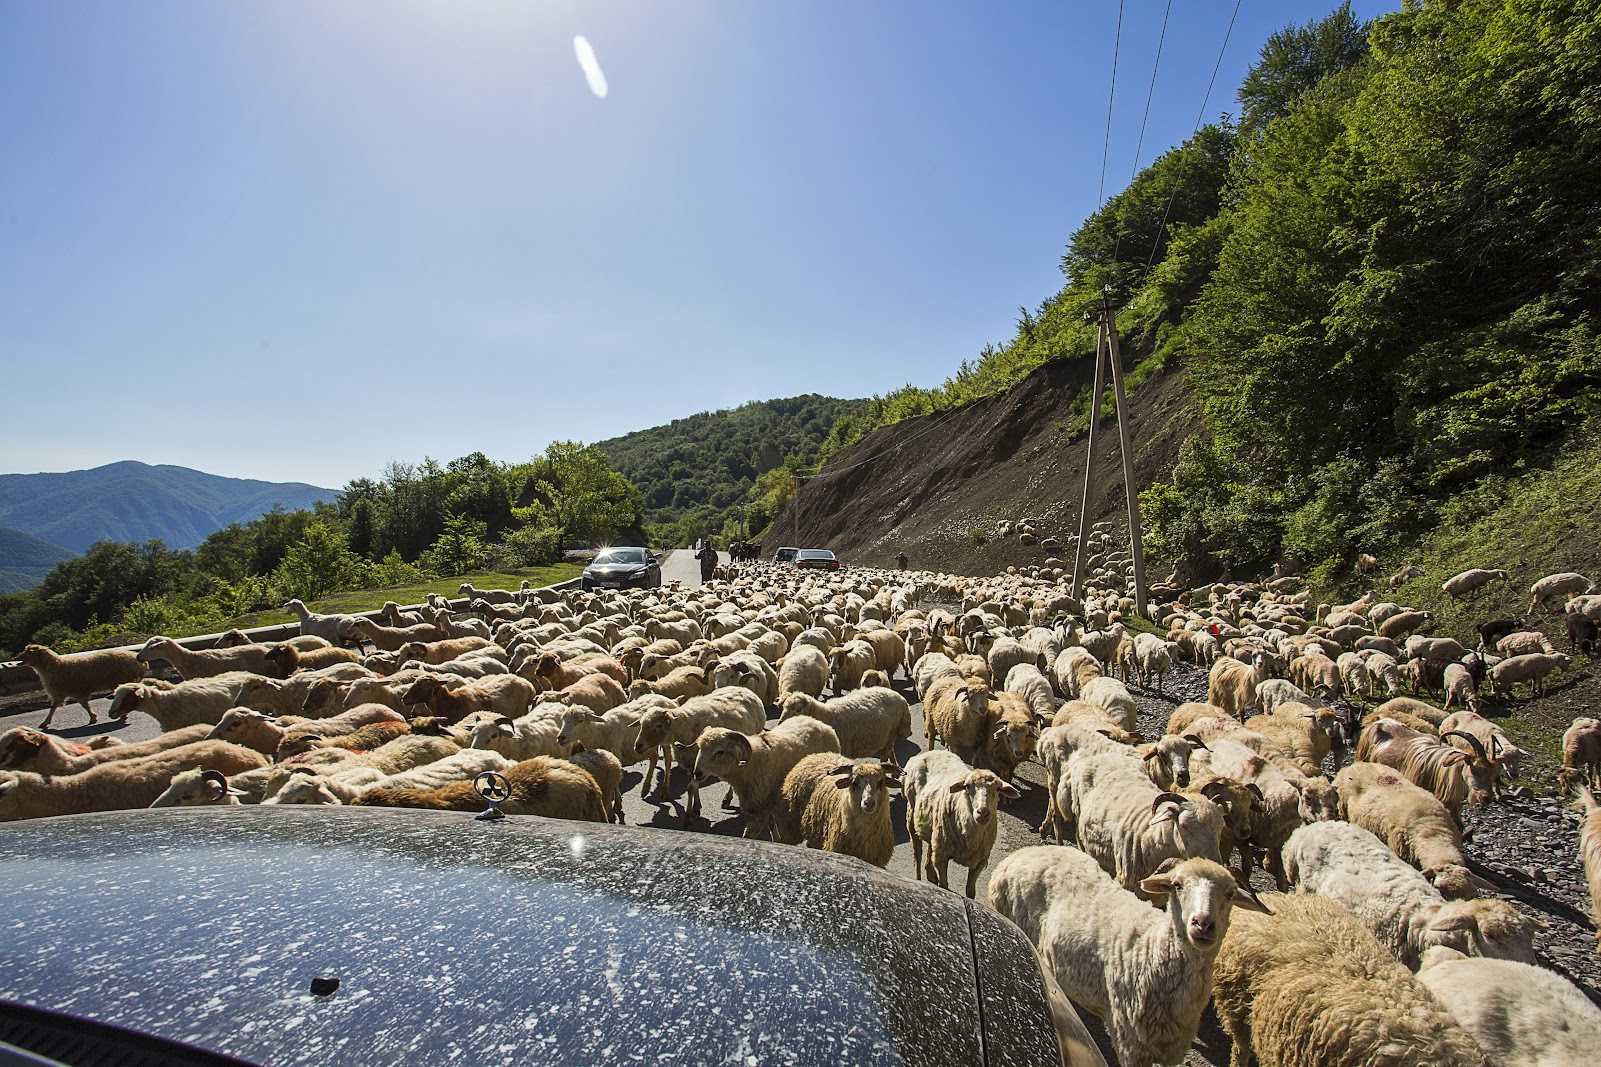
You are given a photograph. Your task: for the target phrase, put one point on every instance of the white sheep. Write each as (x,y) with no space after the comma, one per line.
(119,784)
(328,627)
(1128,824)
(868,721)
(1113,697)
(1412,821)
(537,733)
(198,787)
(24,748)
(1351,867)
(1568,583)
(1505,676)
(202,700)
(1147,973)
(954,810)
(1028,682)
(839,806)
(1308,985)
(615,730)
(804,669)
(79,676)
(208,662)
(754,765)
(1524,643)
(660,729)
(1519,1014)
(1460,585)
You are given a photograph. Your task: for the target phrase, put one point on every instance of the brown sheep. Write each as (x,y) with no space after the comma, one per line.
(544,786)
(77,676)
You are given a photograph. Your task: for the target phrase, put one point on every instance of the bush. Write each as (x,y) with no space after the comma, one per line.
(532,546)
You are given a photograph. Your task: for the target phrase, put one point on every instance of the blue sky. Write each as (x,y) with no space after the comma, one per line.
(297,239)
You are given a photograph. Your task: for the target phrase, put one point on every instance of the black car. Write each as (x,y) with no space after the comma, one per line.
(321,935)
(619,568)
(816,559)
(785,555)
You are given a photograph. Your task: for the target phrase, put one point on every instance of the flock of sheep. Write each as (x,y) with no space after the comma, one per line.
(1141,907)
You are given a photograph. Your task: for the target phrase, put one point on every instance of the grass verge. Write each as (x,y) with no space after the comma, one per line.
(372,599)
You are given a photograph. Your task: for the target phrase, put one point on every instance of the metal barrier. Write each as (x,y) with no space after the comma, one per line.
(15,675)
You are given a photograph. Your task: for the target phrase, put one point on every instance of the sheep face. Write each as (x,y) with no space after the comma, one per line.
(1020,736)
(19,746)
(570,721)
(1320,801)
(720,751)
(981,792)
(125,699)
(869,783)
(1454,881)
(1168,761)
(195,789)
(303,789)
(1201,895)
(653,728)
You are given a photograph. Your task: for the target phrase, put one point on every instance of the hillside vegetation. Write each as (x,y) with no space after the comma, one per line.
(25,559)
(418,527)
(705,474)
(131,501)
(1380,282)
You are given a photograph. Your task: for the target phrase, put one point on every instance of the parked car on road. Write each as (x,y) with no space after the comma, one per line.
(816,559)
(785,555)
(618,568)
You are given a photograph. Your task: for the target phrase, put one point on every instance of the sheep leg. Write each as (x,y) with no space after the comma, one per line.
(54,704)
(972,881)
(917,851)
(650,772)
(93,718)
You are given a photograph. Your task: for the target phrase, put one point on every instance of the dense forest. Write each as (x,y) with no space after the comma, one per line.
(715,473)
(415,522)
(1380,279)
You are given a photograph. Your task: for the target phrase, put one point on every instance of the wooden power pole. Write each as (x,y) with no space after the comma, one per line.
(1106,351)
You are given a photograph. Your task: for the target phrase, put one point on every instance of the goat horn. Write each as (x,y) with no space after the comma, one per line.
(215,776)
(1166,798)
(1473,742)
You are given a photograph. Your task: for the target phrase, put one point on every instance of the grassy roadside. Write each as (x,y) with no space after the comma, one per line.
(372,599)
(1543,523)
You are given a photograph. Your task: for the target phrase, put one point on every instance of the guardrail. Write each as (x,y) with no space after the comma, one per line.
(15,675)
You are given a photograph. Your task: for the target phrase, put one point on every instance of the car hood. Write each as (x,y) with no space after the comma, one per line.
(521,940)
(614,568)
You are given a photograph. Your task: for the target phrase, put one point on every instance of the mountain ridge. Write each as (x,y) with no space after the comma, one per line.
(131,501)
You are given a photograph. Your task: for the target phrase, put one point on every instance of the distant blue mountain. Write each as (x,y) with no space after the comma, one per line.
(131,501)
(25,560)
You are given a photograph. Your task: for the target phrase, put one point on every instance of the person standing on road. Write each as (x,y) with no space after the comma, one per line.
(708,560)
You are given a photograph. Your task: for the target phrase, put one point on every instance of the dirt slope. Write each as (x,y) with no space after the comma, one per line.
(934,486)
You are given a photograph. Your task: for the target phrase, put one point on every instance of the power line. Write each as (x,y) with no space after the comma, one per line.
(1111,93)
(1199,118)
(1139,144)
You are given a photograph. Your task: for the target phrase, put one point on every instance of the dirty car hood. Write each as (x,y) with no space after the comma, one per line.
(527,940)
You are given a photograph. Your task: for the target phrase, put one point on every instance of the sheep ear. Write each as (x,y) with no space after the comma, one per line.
(1454,922)
(1247,900)
(7,785)
(958,785)
(1158,885)
(1482,885)
(1151,752)
(1195,741)
(1009,791)
(504,728)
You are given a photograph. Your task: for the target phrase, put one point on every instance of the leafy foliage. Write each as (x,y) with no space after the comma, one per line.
(698,475)
(418,522)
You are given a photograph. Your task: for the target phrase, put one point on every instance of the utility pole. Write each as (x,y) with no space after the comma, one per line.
(1106,351)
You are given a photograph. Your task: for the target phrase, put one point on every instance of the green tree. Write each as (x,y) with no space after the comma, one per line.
(460,548)
(318,564)
(1296,58)
(589,502)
